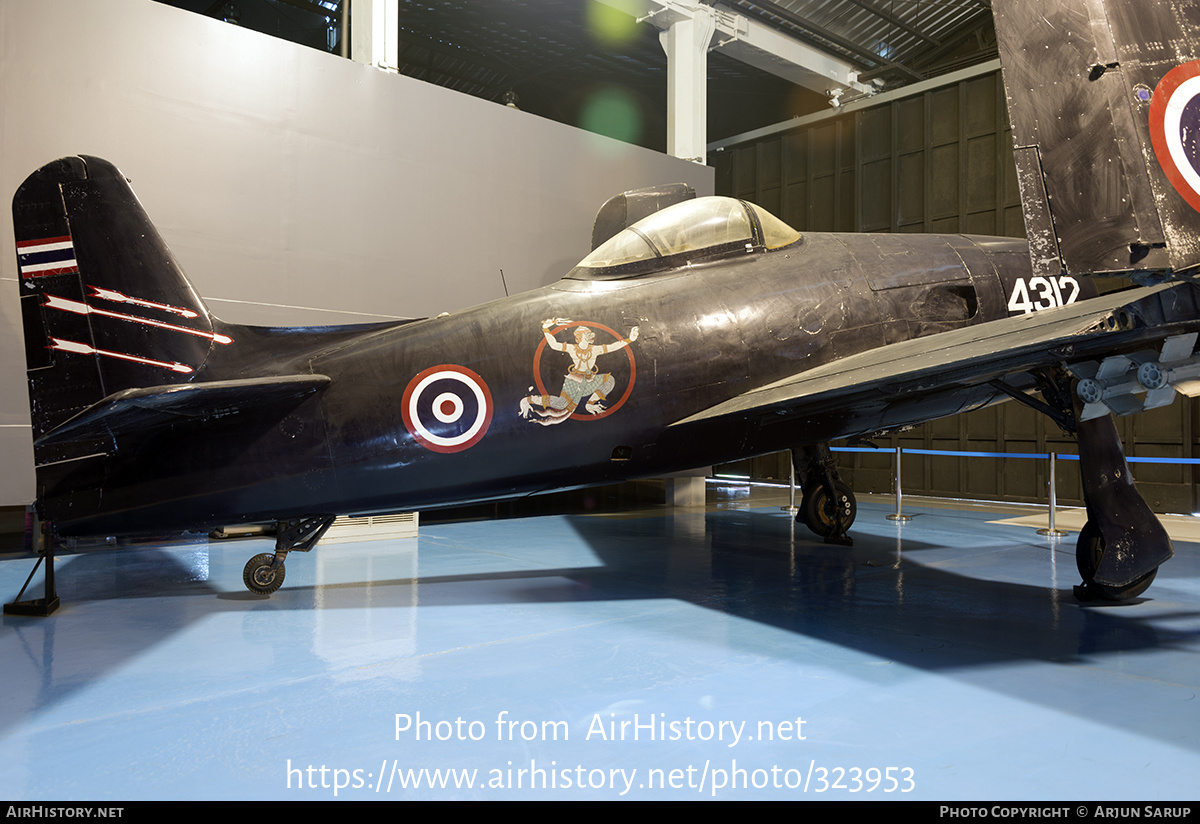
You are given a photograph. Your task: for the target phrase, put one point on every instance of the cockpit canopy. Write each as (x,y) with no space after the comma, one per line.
(693,230)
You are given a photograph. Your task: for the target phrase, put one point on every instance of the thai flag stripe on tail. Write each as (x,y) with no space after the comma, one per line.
(48,256)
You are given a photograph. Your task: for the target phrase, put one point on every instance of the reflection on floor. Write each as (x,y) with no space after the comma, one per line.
(716,652)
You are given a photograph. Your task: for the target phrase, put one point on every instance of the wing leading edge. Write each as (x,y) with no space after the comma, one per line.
(974,355)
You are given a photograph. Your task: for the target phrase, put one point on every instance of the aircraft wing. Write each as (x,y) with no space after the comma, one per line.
(975,354)
(133,409)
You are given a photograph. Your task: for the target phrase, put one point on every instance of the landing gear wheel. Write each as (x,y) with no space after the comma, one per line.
(1088,552)
(820,514)
(259,577)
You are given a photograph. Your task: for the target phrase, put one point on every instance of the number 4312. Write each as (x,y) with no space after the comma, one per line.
(1034,294)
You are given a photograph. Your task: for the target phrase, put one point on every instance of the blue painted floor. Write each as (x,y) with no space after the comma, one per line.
(687,654)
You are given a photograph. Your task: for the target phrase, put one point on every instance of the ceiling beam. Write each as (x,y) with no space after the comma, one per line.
(857,49)
(880,99)
(755,44)
(895,21)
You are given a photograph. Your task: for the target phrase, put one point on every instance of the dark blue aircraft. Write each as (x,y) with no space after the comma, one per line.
(697,331)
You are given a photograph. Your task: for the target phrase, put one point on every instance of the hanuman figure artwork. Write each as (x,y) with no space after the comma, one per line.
(583,381)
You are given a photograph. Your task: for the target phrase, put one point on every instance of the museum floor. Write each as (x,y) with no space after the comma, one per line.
(655,653)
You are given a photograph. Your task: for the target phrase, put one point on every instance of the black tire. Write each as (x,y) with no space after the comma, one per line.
(259,577)
(1089,549)
(820,514)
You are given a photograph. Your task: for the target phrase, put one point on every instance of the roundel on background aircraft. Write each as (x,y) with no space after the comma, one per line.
(447,408)
(1175,129)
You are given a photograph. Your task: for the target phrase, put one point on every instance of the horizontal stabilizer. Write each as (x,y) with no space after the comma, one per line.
(137,409)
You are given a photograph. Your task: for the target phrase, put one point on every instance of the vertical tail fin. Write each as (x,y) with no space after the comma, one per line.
(104,304)
(1104,98)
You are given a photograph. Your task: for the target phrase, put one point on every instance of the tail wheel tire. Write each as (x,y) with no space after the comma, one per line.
(1088,552)
(259,577)
(821,515)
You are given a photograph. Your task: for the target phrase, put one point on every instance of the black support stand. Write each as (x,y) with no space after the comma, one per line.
(49,601)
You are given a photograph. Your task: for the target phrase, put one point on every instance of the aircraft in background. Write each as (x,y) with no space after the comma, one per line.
(697,331)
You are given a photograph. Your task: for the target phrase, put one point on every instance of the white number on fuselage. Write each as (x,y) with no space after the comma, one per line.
(1034,294)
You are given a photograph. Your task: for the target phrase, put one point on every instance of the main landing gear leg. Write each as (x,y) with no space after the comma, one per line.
(828,507)
(1122,544)
(264,573)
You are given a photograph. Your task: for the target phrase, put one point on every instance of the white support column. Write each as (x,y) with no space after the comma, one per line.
(375,33)
(686,43)
(688,488)
(688,29)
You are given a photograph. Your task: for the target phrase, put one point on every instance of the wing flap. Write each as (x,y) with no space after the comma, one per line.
(132,409)
(970,356)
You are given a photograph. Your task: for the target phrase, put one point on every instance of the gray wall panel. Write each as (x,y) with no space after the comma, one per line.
(293,186)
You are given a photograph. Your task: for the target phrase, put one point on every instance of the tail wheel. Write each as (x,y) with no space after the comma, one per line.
(259,577)
(1088,552)
(822,514)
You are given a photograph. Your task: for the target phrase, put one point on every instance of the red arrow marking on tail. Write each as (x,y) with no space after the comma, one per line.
(86,349)
(67,305)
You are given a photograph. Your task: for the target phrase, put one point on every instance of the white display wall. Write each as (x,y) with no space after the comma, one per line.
(295,187)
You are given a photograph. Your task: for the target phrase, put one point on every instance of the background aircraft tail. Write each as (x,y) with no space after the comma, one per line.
(1104,99)
(104,304)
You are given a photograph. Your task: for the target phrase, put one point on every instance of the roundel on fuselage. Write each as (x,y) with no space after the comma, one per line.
(447,408)
(1175,129)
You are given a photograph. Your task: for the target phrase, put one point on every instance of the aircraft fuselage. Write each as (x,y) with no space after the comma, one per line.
(429,413)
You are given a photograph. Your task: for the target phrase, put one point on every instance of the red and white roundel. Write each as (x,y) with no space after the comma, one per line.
(1175,129)
(447,408)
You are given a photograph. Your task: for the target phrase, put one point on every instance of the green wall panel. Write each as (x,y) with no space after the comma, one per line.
(940,161)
